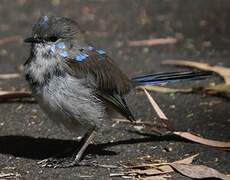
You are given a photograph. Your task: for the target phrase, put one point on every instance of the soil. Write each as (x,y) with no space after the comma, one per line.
(27,136)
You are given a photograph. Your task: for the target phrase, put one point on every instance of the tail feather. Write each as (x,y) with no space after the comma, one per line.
(169,77)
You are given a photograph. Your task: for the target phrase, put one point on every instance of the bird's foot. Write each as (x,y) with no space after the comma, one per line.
(90,156)
(61,162)
(69,161)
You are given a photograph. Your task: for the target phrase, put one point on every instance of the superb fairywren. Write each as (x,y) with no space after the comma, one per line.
(74,82)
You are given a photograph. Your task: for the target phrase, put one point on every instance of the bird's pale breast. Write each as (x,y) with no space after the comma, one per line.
(66,101)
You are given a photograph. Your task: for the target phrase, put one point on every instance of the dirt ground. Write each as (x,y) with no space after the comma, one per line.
(203,27)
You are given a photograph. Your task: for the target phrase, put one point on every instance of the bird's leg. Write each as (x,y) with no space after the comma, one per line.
(84,144)
(73,160)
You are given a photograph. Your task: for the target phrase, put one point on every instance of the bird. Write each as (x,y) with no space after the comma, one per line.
(74,82)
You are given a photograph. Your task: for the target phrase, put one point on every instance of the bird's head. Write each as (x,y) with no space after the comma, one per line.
(52,28)
(53,39)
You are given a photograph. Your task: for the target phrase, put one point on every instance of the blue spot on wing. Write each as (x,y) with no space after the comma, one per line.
(91,48)
(81,57)
(53,48)
(64,54)
(60,45)
(100,51)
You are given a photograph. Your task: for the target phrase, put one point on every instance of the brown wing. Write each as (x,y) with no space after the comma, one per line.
(109,82)
(102,73)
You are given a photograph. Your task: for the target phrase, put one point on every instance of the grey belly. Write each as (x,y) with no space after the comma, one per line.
(68,102)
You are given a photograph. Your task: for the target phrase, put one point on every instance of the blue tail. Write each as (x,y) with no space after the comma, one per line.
(170,77)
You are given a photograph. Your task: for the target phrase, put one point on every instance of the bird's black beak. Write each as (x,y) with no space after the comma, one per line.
(33,40)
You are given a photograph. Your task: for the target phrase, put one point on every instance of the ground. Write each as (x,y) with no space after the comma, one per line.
(26,136)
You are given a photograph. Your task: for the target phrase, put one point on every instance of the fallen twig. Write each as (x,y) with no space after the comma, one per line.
(9,39)
(153,42)
(5,95)
(9,76)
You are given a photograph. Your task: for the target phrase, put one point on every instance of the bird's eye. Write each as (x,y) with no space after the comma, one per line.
(52,38)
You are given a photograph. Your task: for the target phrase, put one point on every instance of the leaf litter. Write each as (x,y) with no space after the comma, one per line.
(162,170)
(158,170)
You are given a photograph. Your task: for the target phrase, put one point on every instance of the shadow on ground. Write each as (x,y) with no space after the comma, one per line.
(41,148)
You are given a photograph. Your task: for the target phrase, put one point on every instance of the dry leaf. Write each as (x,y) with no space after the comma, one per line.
(187,160)
(167,168)
(167,89)
(198,171)
(149,172)
(184,166)
(224,88)
(155,105)
(197,139)
(157,109)
(163,167)
(222,71)
(220,88)
(153,42)
(153,169)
